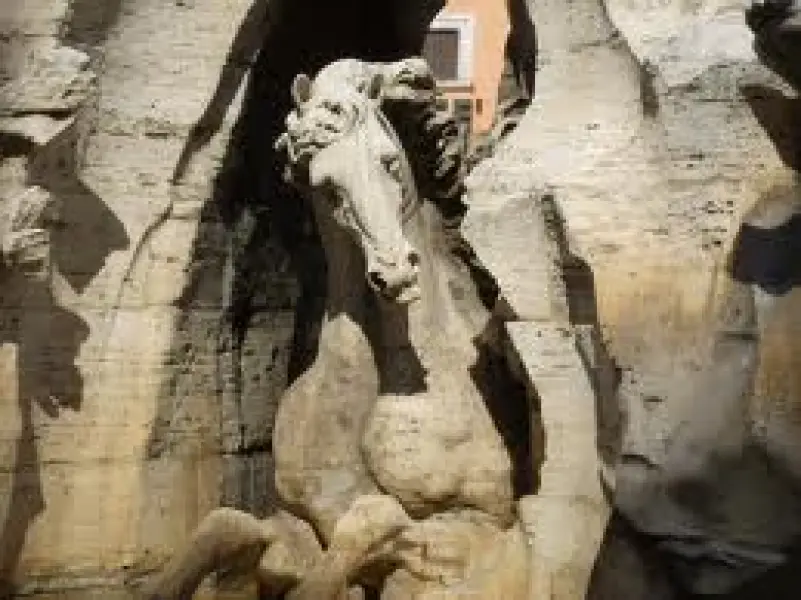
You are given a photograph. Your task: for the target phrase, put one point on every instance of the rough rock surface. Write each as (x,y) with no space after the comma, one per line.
(112,439)
(145,335)
(145,373)
(656,143)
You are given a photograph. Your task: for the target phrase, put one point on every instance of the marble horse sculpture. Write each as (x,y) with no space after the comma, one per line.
(391,471)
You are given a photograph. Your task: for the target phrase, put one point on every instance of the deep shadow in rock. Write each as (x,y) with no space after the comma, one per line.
(780,584)
(243,49)
(90,21)
(48,339)
(769,257)
(777,39)
(402,372)
(628,566)
(780,117)
(87,231)
(511,409)
(521,46)
(603,370)
(48,343)
(601,366)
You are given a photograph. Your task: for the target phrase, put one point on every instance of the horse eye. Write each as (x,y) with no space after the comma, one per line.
(392,164)
(331,195)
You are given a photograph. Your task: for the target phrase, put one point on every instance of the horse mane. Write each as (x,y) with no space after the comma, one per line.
(408,101)
(430,136)
(304,137)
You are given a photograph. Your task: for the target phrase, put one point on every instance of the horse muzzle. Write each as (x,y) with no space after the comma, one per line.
(396,281)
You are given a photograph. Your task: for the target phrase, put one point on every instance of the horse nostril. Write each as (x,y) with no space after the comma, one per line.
(376,280)
(414,258)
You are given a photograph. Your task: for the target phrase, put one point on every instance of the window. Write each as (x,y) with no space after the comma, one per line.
(441,50)
(448,48)
(463,109)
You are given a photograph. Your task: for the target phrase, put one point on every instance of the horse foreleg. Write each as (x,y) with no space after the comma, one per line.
(363,534)
(225,538)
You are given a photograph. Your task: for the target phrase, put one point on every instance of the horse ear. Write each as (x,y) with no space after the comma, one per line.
(301,89)
(375,86)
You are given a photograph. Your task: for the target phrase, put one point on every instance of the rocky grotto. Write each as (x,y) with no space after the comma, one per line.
(268,329)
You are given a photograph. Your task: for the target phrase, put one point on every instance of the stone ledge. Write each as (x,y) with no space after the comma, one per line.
(517,233)
(550,359)
(55,79)
(503,235)
(566,519)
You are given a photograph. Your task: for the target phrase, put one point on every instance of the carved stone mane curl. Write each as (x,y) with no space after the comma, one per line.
(408,100)
(429,136)
(307,134)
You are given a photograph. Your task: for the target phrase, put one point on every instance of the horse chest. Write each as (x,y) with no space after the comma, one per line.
(438,446)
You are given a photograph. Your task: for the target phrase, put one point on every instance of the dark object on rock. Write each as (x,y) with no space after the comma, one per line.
(777,28)
(768,257)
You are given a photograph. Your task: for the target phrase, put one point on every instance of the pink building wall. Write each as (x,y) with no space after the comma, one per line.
(491,26)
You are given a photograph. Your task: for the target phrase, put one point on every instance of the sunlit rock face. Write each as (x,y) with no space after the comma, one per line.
(667,150)
(147,326)
(111,394)
(730,467)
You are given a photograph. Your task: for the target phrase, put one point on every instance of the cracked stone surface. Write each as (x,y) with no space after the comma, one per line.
(128,407)
(647,150)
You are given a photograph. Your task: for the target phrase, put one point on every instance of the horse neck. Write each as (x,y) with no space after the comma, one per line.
(433,318)
(345,271)
(349,297)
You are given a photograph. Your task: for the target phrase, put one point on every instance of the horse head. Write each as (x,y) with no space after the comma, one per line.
(344,152)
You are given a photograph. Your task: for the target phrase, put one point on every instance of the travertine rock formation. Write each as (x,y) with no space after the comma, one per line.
(161,286)
(112,444)
(141,383)
(397,384)
(662,153)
